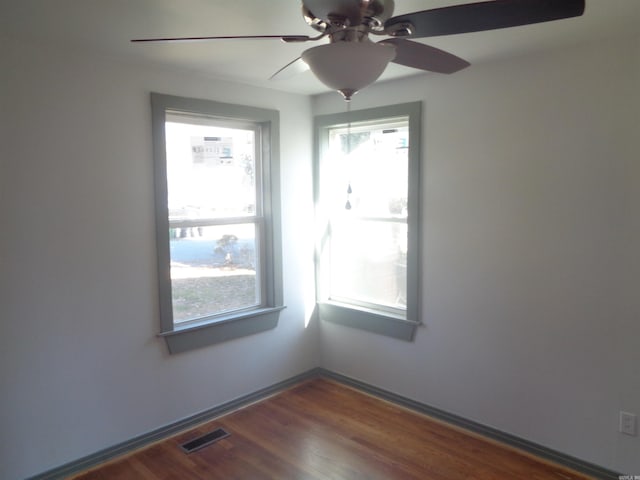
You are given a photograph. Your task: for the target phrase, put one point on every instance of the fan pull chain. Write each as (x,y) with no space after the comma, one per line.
(347,205)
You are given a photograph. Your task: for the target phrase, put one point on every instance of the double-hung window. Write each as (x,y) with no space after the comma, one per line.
(217,220)
(367,197)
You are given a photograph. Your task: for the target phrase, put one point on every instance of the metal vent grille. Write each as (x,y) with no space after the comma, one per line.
(204,440)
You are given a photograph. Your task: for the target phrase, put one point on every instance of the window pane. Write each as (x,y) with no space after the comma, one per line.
(210,169)
(369,262)
(213,270)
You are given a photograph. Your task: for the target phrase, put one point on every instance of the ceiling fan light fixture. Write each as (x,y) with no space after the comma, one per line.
(349,66)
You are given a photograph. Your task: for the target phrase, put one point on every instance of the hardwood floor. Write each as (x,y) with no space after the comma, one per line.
(321,429)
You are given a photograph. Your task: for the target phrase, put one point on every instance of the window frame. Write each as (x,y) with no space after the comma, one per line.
(239,323)
(386,323)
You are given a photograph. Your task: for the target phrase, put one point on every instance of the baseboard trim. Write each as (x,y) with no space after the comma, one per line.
(143,440)
(540,451)
(110,453)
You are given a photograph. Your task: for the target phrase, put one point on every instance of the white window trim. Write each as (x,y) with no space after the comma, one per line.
(350,315)
(220,328)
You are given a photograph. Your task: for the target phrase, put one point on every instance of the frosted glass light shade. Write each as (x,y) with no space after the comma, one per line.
(349,66)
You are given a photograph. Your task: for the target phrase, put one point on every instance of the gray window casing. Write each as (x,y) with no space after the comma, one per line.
(357,317)
(220,328)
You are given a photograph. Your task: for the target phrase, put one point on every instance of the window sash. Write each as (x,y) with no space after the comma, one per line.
(204,120)
(221,127)
(340,220)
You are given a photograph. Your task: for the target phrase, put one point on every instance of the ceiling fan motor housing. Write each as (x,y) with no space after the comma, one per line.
(323,14)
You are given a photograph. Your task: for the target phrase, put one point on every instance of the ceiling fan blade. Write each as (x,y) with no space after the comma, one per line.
(290,70)
(424,57)
(476,17)
(284,38)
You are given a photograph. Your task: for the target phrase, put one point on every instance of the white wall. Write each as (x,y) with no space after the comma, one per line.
(530,251)
(531,266)
(80,366)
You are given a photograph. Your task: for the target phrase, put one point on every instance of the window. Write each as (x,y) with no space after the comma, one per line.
(219,259)
(367,196)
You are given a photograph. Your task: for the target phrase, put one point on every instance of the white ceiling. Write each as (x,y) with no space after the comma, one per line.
(104,27)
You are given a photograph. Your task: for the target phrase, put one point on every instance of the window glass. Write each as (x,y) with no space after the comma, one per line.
(210,169)
(213,270)
(369,263)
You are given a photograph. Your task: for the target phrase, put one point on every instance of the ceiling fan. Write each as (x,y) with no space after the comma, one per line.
(351,60)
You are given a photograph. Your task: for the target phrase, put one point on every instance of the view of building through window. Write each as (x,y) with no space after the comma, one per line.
(214,207)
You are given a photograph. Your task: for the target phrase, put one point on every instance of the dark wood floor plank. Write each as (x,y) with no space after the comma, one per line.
(321,429)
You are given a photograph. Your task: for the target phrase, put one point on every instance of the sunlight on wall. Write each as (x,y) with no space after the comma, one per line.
(309,286)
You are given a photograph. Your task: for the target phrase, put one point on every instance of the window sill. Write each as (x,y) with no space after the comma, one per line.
(369,320)
(221,329)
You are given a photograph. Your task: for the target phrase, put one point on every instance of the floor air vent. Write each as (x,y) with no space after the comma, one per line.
(204,440)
